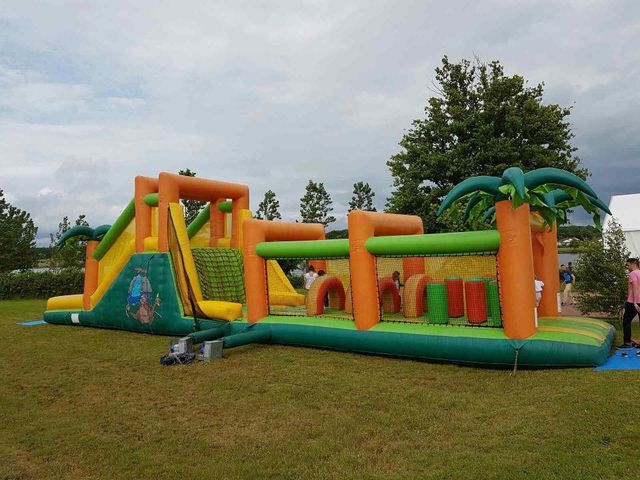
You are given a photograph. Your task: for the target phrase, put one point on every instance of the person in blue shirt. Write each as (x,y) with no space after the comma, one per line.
(568,279)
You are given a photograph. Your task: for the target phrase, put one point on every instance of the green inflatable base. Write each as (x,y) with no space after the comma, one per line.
(442,343)
(437,343)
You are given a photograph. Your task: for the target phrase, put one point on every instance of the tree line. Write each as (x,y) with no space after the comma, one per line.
(316,204)
(18,250)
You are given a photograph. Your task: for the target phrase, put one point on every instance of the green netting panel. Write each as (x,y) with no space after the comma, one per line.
(220,271)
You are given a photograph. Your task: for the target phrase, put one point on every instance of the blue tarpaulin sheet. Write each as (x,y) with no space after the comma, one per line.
(620,361)
(33,323)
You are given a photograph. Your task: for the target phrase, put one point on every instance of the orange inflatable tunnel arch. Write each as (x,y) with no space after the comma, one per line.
(389,295)
(414,301)
(323,286)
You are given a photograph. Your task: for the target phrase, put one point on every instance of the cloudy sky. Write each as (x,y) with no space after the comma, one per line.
(275,93)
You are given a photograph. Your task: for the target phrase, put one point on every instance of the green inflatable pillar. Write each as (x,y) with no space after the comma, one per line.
(493,303)
(438,304)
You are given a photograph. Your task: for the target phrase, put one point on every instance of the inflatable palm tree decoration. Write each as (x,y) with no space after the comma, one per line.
(525,252)
(549,191)
(83,231)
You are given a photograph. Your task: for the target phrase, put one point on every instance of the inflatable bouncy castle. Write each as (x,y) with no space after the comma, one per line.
(389,289)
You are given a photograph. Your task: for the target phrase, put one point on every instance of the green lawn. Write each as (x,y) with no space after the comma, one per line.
(83,403)
(569,250)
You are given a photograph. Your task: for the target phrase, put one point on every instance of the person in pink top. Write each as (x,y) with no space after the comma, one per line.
(632,307)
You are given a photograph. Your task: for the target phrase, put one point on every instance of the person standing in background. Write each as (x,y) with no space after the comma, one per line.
(632,306)
(573,279)
(573,276)
(326,297)
(568,279)
(395,276)
(563,267)
(539,285)
(310,277)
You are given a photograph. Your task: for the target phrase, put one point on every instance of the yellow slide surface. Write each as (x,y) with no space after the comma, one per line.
(219,309)
(114,261)
(201,238)
(280,290)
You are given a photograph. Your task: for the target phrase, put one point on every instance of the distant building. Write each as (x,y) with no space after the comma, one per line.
(626,211)
(567,242)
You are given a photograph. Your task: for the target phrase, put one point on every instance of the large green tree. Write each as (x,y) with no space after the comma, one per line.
(268,209)
(191,207)
(17,237)
(601,276)
(316,204)
(362,198)
(72,253)
(480,122)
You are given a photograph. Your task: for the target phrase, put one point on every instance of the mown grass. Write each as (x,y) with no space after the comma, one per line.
(577,249)
(80,403)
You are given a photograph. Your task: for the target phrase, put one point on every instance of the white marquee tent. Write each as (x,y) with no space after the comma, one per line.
(626,211)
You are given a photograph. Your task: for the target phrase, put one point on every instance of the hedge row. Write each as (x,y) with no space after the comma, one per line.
(40,284)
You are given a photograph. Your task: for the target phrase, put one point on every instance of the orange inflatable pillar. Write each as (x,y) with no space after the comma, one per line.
(537,249)
(143,186)
(412,266)
(90,275)
(475,293)
(536,224)
(238,205)
(255,274)
(319,265)
(515,270)
(168,192)
(216,223)
(455,296)
(544,242)
(548,273)
(364,283)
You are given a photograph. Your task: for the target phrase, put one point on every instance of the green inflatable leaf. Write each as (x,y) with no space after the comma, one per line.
(482,183)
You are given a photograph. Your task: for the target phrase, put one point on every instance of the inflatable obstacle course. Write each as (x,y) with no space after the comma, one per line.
(388,289)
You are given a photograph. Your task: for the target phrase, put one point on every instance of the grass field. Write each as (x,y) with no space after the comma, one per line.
(81,403)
